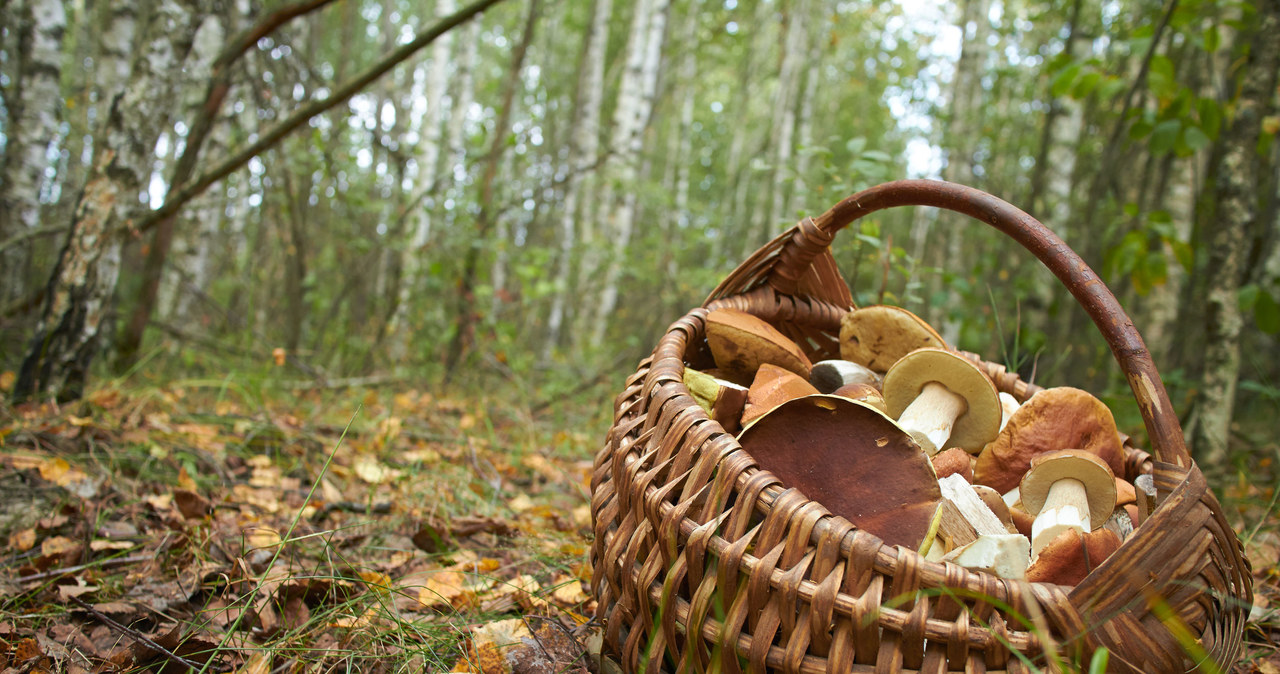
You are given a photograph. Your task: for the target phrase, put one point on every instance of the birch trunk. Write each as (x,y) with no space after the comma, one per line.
(1236,216)
(961,143)
(465,314)
(428,176)
(635,103)
(784,116)
(69,327)
(34,104)
(584,145)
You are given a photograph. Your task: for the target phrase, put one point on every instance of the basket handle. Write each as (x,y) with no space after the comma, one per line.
(1089,290)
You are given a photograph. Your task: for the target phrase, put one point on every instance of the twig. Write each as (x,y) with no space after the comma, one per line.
(341,93)
(379,508)
(33,233)
(128,631)
(104,564)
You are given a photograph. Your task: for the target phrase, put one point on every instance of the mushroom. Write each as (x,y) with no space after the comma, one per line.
(965,517)
(877,336)
(997,505)
(865,393)
(853,460)
(1144,489)
(939,396)
(1066,490)
(740,342)
(1053,419)
(1008,405)
(722,400)
(1067,559)
(954,461)
(772,387)
(1005,555)
(829,375)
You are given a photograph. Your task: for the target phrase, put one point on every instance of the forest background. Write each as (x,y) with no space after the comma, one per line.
(510,201)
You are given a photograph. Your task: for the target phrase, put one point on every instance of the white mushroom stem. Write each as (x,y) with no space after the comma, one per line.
(1008,405)
(1066,507)
(930,417)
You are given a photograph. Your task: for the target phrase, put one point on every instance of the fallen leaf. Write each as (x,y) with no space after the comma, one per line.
(520,503)
(7,378)
(443,588)
(192,505)
(21,541)
(569,592)
(370,470)
(66,592)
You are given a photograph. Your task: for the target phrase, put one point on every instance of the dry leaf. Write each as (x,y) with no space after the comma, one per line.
(443,588)
(372,471)
(259,663)
(192,505)
(262,537)
(520,503)
(569,592)
(6,380)
(21,541)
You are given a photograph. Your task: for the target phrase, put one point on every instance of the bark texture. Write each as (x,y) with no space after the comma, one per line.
(79,296)
(33,107)
(1236,199)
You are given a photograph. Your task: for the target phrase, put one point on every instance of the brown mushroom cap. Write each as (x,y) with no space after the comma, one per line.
(993,500)
(1055,418)
(1091,471)
(977,425)
(877,336)
(853,460)
(772,387)
(1067,559)
(864,393)
(740,342)
(954,461)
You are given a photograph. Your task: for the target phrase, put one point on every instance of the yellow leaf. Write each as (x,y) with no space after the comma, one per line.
(262,537)
(377,581)
(569,592)
(467,422)
(372,471)
(259,663)
(520,503)
(21,541)
(6,380)
(54,469)
(442,588)
(185,480)
(57,545)
(79,421)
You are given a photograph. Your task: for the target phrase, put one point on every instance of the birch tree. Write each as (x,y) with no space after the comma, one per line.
(584,145)
(1236,200)
(423,202)
(70,324)
(32,103)
(631,117)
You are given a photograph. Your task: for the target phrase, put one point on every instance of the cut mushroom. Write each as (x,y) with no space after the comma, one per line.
(1144,487)
(1004,555)
(741,342)
(1070,557)
(852,459)
(829,375)
(722,400)
(877,336)
(997,505)
(942,399)
(1067,490)
(1053,419)
(965,517)
(772,387)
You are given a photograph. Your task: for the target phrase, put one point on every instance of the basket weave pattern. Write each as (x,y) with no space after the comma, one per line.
(703,561)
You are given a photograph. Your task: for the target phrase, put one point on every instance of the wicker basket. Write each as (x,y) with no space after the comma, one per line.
(703,561)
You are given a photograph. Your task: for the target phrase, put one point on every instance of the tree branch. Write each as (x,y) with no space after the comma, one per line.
(344,91)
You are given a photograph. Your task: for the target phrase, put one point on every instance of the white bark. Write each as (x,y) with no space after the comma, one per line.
(635,103)
(67,332)
(794,50)
(584,145)
(428,163)
(804,131)
(32,127)
(189,270)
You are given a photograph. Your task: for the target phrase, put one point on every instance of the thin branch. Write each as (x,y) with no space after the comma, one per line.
(103,564)
(136,635)
(32,233)
(269,23)
(344,91)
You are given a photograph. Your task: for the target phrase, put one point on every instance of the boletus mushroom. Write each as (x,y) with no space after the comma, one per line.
(853,460)
(942,399)
(877,336)
(772,387)
(829,375)
(1067,490)
(741,342)
(1067,559)
(1052,419)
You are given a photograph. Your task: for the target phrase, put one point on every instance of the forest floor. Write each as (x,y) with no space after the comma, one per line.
(201,526)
